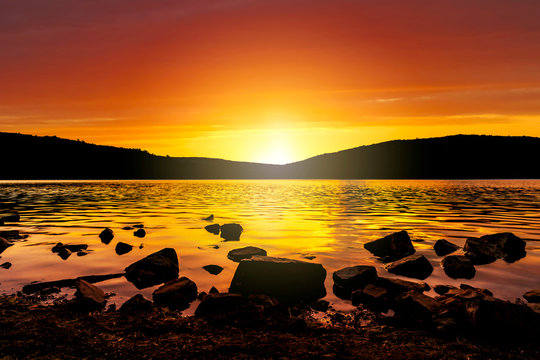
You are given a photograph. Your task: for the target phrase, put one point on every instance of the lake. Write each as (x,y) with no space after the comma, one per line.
(328,219)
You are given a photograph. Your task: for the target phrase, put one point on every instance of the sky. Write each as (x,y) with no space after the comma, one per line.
(268,80)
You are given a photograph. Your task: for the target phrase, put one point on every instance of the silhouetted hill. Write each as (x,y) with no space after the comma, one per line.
(450,157)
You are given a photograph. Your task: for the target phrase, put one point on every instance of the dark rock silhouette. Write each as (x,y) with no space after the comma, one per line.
(138,226)
(415,266)
(71,247)
(6,265)
(136,304)
(352,278)
(391,247)
(285,279)
(89,296)
(245,253)
(64,253)
(214,228)
(213,290)
(444,247)
(11,218)
(231,232)
(488,248)
(139,233)
(106,236)
(443,289)
(213,269)
(4,244)
(209,218)
(154,269)
(123,248)
(373,296)
(176,294)
(458,267)
(12,235)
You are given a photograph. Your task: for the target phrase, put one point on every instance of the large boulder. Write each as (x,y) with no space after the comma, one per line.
(285,279)
(231,232)
(154,269)
(106,236)
(444,247)
(352,278)
(245,253)
(89,297)
(488,248)
(532,296)
(415,266)
(391,247)
(458,267)
(176,294)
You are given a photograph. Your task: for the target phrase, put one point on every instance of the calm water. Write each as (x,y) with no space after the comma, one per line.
(330,220)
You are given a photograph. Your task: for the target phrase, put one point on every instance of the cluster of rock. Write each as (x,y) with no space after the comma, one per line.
(228,232)
(121,248)
(65,250)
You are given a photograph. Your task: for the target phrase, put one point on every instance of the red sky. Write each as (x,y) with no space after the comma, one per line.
(272,81)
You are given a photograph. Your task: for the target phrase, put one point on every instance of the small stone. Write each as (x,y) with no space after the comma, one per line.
(245,253)
(372,296)
(6,265)
(231,232)
(4,244)
(82,253)
(64,253)
(209,218)
(443,247)
(140,233)
(123,248)
(138,226)
(154,269)
(213,269)
(127,228)
(106,236)
(353,278)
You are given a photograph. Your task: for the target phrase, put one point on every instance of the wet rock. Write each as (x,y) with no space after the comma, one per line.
(106,236)
(320,305)
(154,269)
(399,286)
(11,218)
(139,233)
(127,228)
(6,265)
(488,248)
(209,218)
(285,279)
(245,253)
(12,235)
(4,244)
(213,229)
(372,296)
(176,294)
(484,292)
(39,286)
(352,278)
(63,253)
(415,266)
(213,290)
(443,247)
(309,257)
(213,269)
(443,289)
(89,296)
(416,307)
(392,247)
(123,248)
(458,267)
(231,232)
(532,296)
(73,247)
(138,226)
(136,304)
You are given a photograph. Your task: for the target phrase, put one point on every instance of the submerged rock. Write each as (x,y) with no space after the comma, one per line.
(127,228)
(231,232)
(415,266)
(392,247)
(154,269)
(139,233)
(352,278)
(285,279)
(485,292)
(123,248)
(176,294)
(458,267)
(245,253)
(213,269)
(106,236)
(532,296)
(138,226)
(89,296)
(135,304)
(443,247)
(82,253)
(213,229)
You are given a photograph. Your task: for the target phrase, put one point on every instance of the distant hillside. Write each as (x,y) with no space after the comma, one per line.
(450,157)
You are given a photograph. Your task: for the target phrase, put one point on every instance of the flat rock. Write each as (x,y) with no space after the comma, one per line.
(154,269)
(136,304)
(138,226)
(458,267)
(176,294)
(391,247)
(245,253)
(284,279)
(213,229)
(353,278)
(415,266)
(89,296)
(231,232)
(532,296)
(140,233)
(213,269)
(106,236)
(444,247)
(123,248)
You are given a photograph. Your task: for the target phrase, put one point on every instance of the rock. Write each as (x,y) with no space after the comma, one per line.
(39,286)
(213,269)
(123,248)
(535,307)
(209,218)
(489,248)
(415,266)
(6,265)
(50,291)
(353,278)
(11,218)
(106,236)
(443,247)
(309,257)
(139,233)
(82,253)
(213,290)
(63,253)
(128,228)
(176,294)
(231,232)
(458,267)
(138,226)
(214,228)
(484,292)
(12,235)
(89,296)
(245,253)
(392,247)
(443,289)
(154,269)
(285,279)
(320,305)
(4,244)
(218,304)
(73,247)
(136,304)
(372,296)
(399,286)
(532,296)
(416,307)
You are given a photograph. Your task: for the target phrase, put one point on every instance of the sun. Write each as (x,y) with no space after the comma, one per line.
(277,155)
(276,150)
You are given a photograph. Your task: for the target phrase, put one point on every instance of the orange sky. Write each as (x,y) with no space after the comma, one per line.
(269,81)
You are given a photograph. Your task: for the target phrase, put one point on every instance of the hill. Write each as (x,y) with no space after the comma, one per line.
(450,157)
